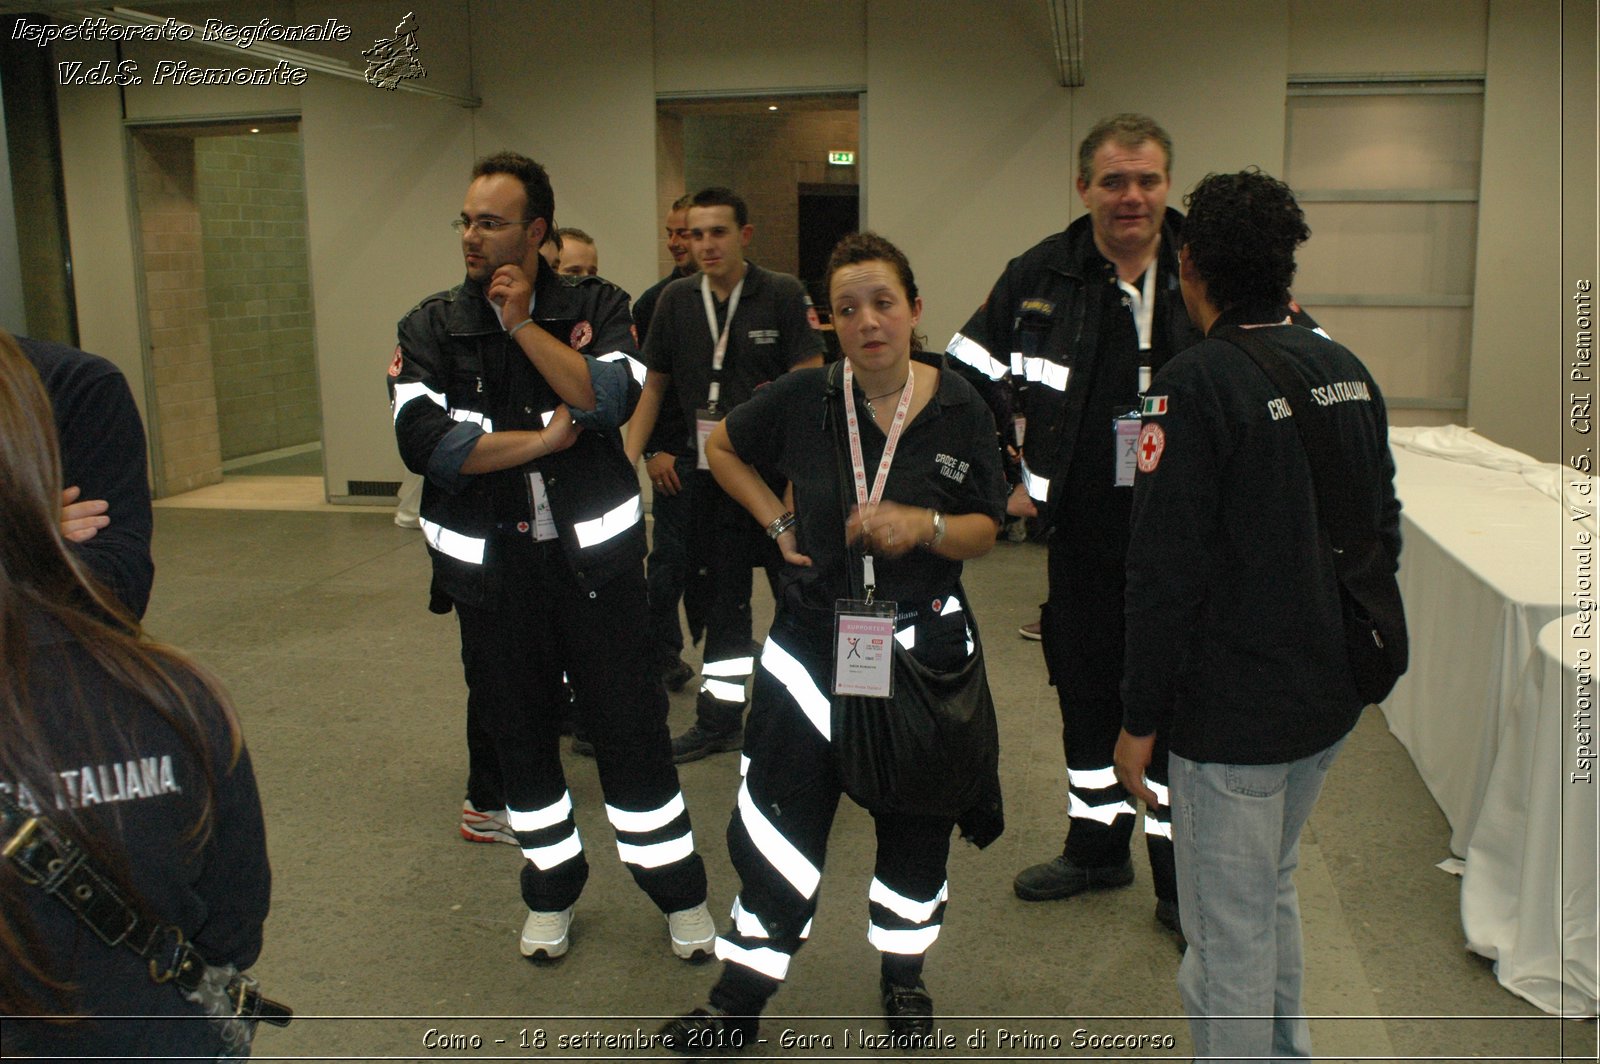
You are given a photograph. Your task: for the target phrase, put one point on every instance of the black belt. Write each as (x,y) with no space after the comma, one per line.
(60,867)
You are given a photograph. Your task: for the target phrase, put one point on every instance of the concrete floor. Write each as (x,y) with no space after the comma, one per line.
(387,926)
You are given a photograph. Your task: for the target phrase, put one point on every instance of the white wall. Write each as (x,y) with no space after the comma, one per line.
(968,155)
(1515,383)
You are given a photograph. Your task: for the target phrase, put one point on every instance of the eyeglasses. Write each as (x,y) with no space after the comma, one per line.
(487,226)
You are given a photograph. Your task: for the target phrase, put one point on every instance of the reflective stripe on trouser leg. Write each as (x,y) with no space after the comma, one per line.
(901,924)
(653,838)
(724,679)
(548,836)
(778,846)
(1094,794)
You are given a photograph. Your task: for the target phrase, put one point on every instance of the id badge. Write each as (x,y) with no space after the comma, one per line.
(863,648)
(1019,426)
(1126,429)
(704,422)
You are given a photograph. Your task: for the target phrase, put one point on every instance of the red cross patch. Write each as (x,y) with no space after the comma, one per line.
(399,361)
(1152,441)
(582,333)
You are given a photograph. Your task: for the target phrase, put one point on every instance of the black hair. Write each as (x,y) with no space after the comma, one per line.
(1242,231)
(717,196)
(870,247)
(535,184)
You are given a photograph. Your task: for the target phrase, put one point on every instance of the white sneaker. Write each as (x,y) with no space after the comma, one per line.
(547,934)
(485,825)
(694,933)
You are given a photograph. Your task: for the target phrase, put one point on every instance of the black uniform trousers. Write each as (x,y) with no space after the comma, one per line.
(541,624)
(727,544)
(778,836)
(1083,632)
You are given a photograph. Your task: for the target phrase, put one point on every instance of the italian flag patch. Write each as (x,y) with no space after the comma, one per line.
(1154,404)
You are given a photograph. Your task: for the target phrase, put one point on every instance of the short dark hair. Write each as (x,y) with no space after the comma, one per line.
(1128,129)
(717,196)
(868,246)
(682,203)
(535,183)
(568,232)
(1241,231)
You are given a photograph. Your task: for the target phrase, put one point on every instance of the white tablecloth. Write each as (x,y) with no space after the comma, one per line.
(1480,572)
(1528,895)
(1485,710)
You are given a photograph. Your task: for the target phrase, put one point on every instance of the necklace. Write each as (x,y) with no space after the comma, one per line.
(892,391)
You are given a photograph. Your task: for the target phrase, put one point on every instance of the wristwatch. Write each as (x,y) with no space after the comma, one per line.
(938,529)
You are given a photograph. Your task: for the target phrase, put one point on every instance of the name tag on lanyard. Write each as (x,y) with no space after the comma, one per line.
(706,419)
(863,652)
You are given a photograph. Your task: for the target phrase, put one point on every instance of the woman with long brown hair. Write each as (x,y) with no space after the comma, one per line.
(122,750)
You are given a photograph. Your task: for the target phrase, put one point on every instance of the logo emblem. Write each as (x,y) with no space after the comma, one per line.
(1152,441)
(582,333)
(399,361)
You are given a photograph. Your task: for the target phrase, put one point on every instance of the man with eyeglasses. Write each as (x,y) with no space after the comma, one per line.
(507,392)
(715,339)
(669,461)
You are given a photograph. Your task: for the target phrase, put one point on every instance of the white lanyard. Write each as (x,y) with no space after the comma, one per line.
(720,351)
(858,467)
(1144,316)
(1144,304)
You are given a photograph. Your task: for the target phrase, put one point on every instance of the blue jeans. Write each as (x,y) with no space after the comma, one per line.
(1236,832)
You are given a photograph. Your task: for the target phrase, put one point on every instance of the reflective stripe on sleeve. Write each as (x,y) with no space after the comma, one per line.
(1038,487)
(610,524)
(1045,372)
(477,417)
(635,367)
(779,852)
(404,393)
(969,351)
(461,548)
(951,605)
(907,637)
(1163,797)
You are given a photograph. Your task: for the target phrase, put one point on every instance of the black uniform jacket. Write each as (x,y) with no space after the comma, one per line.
(456,375)
(1032,347)
(1235,641)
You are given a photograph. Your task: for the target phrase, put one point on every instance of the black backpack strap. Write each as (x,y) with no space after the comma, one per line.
(1336,509)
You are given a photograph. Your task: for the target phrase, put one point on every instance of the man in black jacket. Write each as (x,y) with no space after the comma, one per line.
(1063,350)
(1236,651)
(105,513)
(508,391)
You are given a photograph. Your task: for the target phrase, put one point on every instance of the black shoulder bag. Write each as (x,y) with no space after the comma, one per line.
(1374,616)
(58,866)
(933,748)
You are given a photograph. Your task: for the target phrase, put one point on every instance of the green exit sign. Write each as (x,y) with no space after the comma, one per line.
(841,158)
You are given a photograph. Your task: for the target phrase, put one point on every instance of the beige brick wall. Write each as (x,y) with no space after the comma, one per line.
(250,191)
(765,158)
(180,338)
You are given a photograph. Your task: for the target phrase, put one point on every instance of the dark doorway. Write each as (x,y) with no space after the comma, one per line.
(827,213)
